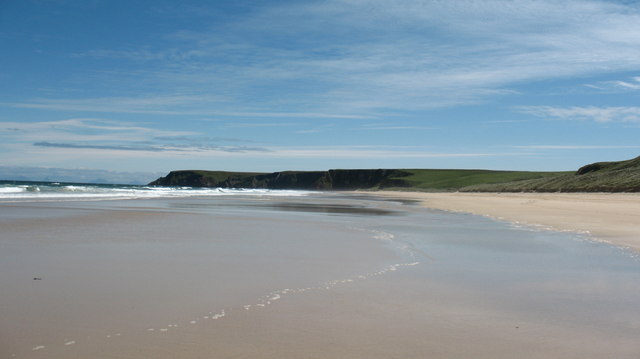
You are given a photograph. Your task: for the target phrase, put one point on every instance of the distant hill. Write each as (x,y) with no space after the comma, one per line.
(318,180)
(622,176)
(374,179)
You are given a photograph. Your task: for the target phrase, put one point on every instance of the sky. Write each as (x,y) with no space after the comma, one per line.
(146,87)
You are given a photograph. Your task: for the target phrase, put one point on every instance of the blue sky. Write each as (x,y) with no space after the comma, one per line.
(154,86)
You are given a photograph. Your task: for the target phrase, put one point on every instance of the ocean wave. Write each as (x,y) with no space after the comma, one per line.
(57,191)
(4,190)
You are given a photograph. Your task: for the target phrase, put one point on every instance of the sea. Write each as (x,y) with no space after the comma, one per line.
(121,271)
(15,191)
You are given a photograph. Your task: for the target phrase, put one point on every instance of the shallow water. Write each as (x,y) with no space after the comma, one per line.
(157,277)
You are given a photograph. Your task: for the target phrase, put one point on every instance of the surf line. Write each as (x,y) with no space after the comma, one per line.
(276,295)
(376,234)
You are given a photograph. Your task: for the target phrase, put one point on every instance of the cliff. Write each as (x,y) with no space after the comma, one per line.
(316,180)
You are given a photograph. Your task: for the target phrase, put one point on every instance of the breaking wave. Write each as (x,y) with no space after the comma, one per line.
(43,191)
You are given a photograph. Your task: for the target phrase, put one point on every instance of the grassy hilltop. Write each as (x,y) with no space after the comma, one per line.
(622,176)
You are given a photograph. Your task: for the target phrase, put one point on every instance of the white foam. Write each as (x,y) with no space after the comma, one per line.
(384,236)
(71,342)
(39,347)
(98,192)
(4,190)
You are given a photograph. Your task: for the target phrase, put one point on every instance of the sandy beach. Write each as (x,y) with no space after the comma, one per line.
(610,217)
(325,275)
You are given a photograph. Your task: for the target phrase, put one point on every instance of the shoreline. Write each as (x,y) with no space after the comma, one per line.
(613,218)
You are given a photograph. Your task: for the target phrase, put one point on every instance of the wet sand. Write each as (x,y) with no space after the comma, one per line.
(610,217)
(76,277)
(330,276)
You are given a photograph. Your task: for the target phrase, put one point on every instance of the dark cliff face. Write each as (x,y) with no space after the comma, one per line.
(354,179)
(316,180)
(292,180)
(181,178)
(206,179)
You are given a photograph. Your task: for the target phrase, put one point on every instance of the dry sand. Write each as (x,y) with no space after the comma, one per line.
(609,217)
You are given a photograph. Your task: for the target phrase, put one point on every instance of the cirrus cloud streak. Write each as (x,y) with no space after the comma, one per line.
(588,113)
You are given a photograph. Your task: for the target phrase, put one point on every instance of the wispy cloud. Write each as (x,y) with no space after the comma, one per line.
(393,128)
(105,147)
(589,113)
(106,135)
(82,129)
(153,148)
(350,59)
(260,124)
(361,152)
(632,84)
(310,130)
(201,139)
(158,105)
(574,147)
(373,152)
(170,106)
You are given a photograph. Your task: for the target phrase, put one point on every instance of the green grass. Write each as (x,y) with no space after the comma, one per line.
(452,180)
(620,176)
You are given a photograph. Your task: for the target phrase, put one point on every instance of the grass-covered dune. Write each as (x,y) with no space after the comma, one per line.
(622,176)
(456,180)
